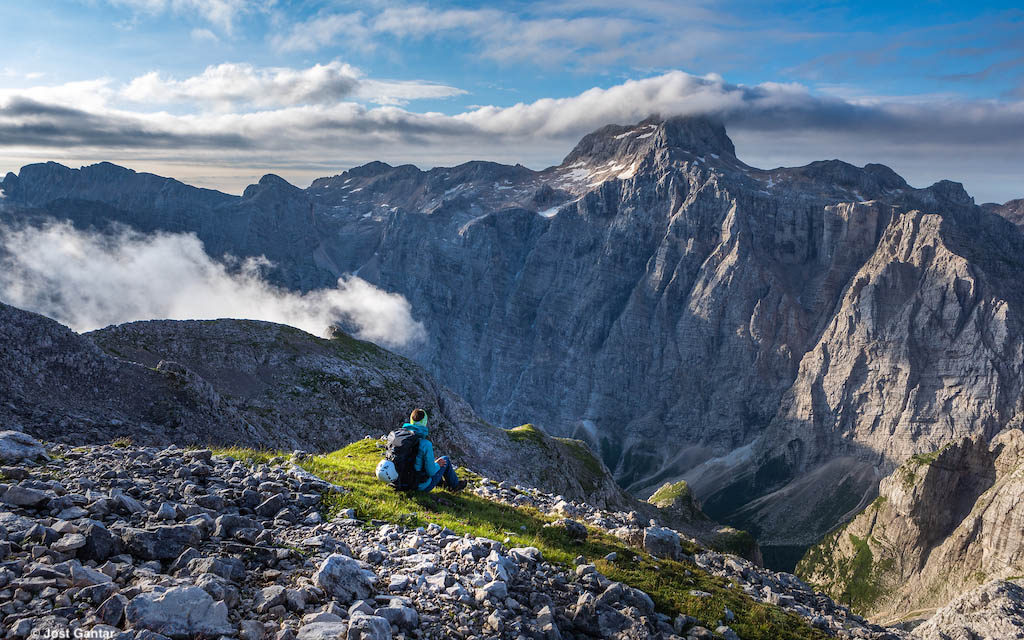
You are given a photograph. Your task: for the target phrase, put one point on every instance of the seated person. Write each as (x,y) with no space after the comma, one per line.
(438,472)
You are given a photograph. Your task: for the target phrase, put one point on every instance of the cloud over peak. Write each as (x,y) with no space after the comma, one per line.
(308,115)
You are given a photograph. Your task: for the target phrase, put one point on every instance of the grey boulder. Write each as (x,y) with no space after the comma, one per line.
(364,627)
(18,447)
(323,631)
(162,543)
(662,542)
(179,612)
(343,578)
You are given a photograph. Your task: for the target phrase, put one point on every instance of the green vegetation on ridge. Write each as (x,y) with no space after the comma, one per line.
(855,580)
(669,583)
(669,493)
(526,433)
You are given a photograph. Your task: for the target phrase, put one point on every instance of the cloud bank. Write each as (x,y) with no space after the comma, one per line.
(278,118)
(87,281)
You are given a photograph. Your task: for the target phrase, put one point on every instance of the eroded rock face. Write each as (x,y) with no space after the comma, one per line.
(993,610)
(942,523)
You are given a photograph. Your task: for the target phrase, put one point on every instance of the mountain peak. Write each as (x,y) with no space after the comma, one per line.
(697,135)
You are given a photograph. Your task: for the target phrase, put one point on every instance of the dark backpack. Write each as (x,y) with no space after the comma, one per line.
(402,448)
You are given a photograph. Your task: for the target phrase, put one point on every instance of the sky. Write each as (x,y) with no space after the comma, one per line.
(218,92)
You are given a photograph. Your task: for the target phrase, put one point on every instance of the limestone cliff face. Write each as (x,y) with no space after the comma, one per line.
(924,348)
(781,339)
(943,523)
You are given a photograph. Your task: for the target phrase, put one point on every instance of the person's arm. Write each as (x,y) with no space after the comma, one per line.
(429,464)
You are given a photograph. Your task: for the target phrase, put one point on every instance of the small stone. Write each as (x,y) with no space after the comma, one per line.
(496,590)
(399,582)
(662,543)
(400,616)
(166,512)
(323,631)
(364,627)
(269,597)
(251,630)
(727,633)
(228,568)
(164,543)
(68,543)
(112,609)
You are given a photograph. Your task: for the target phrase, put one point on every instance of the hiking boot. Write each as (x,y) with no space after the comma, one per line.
(459,486)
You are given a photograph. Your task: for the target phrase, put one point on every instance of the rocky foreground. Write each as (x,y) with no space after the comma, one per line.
(153,543)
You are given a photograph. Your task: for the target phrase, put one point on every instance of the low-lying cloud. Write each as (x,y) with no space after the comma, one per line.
(89,280)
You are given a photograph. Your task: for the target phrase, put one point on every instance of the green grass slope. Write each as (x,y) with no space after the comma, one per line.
(667,582)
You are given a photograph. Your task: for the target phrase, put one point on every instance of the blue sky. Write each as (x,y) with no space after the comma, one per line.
(217,92)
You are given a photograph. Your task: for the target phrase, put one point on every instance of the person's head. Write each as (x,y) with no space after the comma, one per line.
(418,415)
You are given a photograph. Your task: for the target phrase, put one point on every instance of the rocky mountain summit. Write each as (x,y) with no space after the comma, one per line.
(1012,210)
(942,524)
(781,338)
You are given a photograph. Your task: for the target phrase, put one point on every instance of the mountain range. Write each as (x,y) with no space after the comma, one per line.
(781,339)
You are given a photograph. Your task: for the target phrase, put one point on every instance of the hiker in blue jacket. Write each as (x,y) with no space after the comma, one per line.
(439,471)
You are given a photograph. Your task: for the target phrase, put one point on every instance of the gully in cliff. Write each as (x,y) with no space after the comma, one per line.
(409,462)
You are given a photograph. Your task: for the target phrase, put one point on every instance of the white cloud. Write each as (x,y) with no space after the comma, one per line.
(967,140)
(240,86)
(89,280)
(93,95)
(204,36)
(323,30)
(220,13)
(570,34)
(394,92)
(230,85)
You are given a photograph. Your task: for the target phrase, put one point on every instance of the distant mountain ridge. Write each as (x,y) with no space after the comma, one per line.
(763,334)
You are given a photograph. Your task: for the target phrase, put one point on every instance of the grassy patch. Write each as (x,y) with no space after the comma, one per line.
(668,583)
(735,541)
(248,456)
(527,433)
(856,580)
(122,443)
(669,493)
(914,462)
